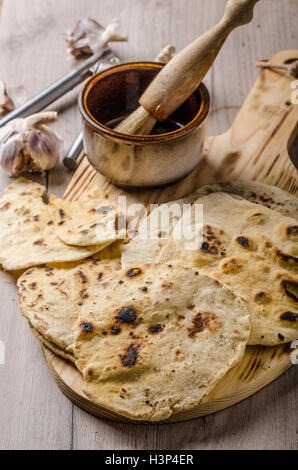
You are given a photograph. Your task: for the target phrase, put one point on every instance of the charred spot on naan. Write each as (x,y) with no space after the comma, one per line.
(115,330)
(201,321)
(87,327)
(90,372)
(290,288)
(213,241)
(48,269)
(285,258)
(131,355)
(287,232)
(98,224)
(261,297)
(292,231)
(266,201)
(154,329)
(167,285)
(81,276)
(245,242)
(268,248)
(61,213)
(133,272)
(62,216)
(127,315)
(30,271)
(40,242)
(231,265)
(5,206)
(289,316)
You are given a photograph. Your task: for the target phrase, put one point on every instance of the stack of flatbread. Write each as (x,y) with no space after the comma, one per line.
(151,325)
(33,232)
(249,242)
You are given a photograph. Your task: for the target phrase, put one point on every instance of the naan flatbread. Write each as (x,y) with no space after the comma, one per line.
(49,295)
(253,250)
(259,193)
(27,234)
(154,340)
(52,346)
(146,250)
(89,221)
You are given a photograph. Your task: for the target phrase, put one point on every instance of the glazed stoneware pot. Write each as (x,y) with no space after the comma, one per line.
(140,161)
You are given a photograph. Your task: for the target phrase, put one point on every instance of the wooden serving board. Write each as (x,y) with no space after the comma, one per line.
(256,147)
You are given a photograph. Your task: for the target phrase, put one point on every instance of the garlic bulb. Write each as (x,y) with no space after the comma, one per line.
(6,103)
(88,36)
(28,145)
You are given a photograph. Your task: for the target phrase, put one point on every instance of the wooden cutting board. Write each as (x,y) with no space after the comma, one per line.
(256,147)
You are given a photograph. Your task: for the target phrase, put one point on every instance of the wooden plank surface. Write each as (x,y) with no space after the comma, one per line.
(33,412)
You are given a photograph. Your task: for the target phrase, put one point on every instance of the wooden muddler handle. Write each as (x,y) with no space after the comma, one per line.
(183,74)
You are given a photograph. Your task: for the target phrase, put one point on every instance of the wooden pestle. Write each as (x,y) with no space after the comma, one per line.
(184,73)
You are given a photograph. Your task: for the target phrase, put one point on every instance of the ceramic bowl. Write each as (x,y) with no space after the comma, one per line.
(140,160)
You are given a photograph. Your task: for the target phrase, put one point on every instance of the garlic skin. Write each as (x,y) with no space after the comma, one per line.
(89,37)
(6,103)
(166,54)
(27,145)
(112,33)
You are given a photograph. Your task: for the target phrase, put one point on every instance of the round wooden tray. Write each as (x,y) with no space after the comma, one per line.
(256,147)
(259,366)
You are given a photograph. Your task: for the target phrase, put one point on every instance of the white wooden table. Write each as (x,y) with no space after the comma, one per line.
(34,414)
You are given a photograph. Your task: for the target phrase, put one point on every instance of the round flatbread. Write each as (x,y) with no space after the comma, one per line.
(49,295)
(27,234)
(155,339)
(89,221)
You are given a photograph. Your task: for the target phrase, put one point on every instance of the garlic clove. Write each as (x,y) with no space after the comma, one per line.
(83,33)
(12,157)
(43,147)
(88,36)
(6,103)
